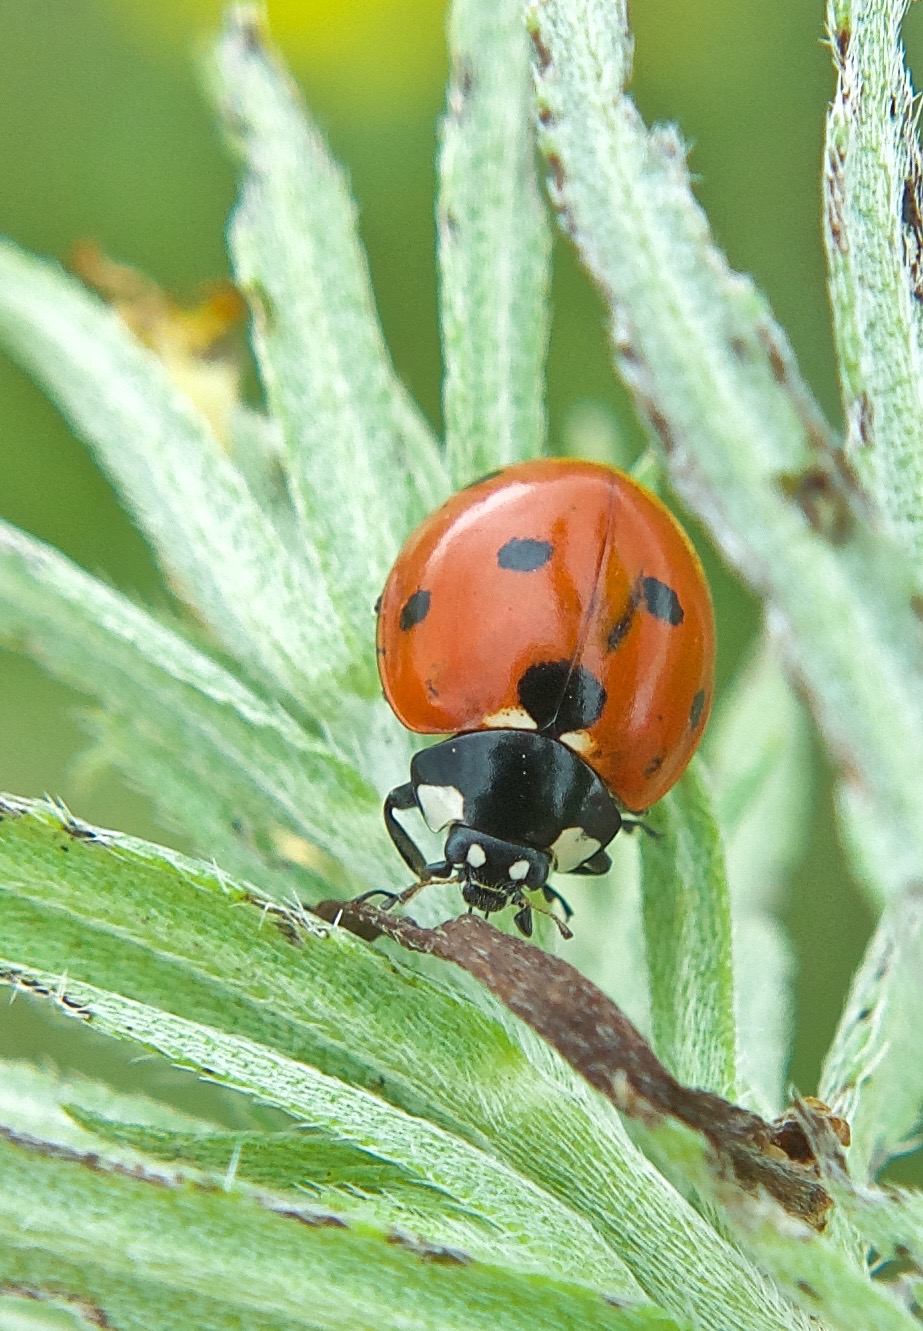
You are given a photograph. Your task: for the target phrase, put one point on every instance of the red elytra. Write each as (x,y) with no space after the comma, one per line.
(557,596)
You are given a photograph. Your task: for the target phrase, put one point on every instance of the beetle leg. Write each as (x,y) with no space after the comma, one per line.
(629,825)
(551,895)
(596,864)
(523,919)
(403,797)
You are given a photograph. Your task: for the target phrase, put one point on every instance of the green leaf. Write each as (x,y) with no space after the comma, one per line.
(608,943)
(687,928)
(873,1074)
(463,1197)
(747,447)
(305,1162)
(890,1220)
(361,467)
(159,1258)
(32,1312)
(823,1280)
(494,246)
(170,935)
(344,1155)
(266,603)
(828,1287)
(247,768)
(874,232)
(758,751)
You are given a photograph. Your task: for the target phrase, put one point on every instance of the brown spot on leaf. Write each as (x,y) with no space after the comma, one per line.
(556,167)
(439,1254)
(821,500)
(864,419)
(542,54)
(659,423)
(89,1311)
(774,354)
(313,1219)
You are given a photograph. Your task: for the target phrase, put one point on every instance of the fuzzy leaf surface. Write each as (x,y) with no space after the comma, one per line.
(687,919)
(698,347)
(247,767)
(759,759)
(873,1074)
(494,246)
(141,1254)
(172,937)
(874,233)
(265,603)
(361,466)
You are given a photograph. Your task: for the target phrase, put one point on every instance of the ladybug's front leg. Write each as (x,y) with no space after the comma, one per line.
(597,864)
(404,797)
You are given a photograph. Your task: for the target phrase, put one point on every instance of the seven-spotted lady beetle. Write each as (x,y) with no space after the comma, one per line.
(554,619)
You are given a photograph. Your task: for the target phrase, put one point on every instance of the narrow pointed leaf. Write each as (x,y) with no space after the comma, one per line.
(873,1074)
(747,447)
(494,246)
(874,232)
(889,1219)
(148,924)
(824,1281)
(687,925)
(361,466)
(485,1207)
(257,768)
(759,759)
(266,604)
(343,1154)
(141,1255)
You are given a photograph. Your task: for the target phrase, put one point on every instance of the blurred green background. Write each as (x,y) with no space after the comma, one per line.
(104,135)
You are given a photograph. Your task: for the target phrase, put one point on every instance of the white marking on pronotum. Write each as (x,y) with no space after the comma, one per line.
(578,740)
(441,805)
(519,870)
(510,718)
(572,847)
(476,855)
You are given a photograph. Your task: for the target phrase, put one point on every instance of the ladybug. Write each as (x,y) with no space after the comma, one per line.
(554,620)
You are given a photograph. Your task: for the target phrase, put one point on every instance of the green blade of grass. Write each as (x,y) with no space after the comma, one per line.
(874,233)
(494,246)
(361,466)
(687,928)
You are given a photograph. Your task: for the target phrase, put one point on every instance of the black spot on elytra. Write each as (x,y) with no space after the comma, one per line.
(695,711)
(654,765)
(415,610)
(378,606)
(561,697)
(623,623)
(522,554)
(662,601)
